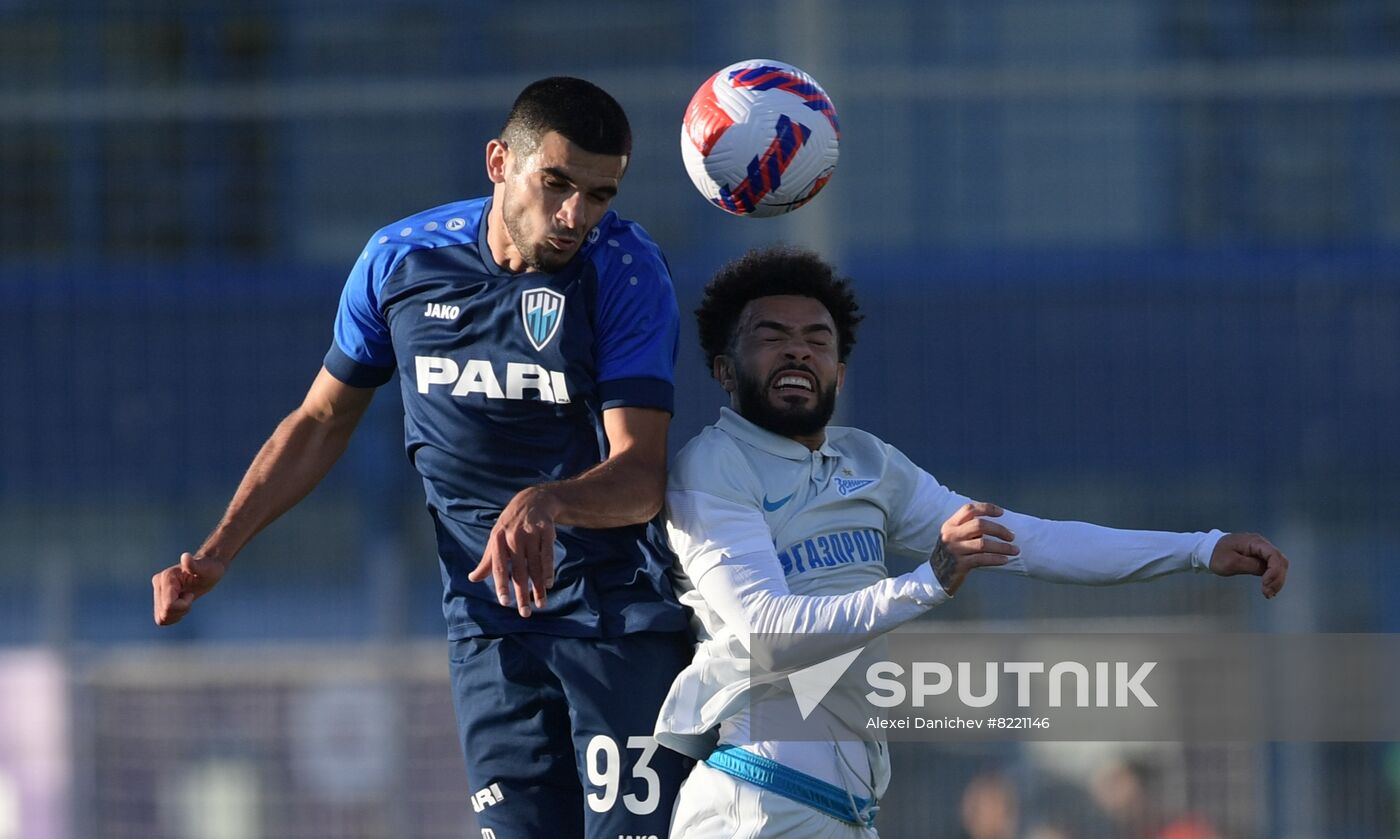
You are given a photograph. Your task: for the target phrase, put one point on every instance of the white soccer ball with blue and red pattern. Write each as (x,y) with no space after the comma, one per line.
(760,138)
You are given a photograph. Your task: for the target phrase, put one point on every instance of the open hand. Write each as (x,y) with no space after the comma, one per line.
(519,552)
(969,541)
(1250,553)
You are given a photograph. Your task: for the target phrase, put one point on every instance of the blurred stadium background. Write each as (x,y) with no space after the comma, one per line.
(1134,261)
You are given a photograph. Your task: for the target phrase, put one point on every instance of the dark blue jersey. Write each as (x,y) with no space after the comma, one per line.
(505,378)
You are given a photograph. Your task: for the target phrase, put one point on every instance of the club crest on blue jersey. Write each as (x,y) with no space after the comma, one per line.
(541,310)
(846,486)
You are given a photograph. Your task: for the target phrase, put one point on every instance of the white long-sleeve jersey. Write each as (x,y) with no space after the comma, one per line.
(775,538)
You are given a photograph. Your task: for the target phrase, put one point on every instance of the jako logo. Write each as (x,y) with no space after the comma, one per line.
(478,376)
(636,836)
(483,798)
(442,312)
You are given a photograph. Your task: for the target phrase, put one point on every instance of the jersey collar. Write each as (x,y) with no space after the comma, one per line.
(731,423)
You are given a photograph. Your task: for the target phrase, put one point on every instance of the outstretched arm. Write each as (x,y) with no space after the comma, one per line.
(1089,554)
(292,461)
(1077,552)
(626,488)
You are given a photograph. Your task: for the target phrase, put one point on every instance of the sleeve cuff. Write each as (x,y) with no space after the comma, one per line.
(1200,558)
(923,587)
(355,373)
(638,393)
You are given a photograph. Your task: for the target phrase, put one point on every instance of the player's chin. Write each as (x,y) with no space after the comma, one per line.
(552,259)
(792,399)
(800,410)
(788,414)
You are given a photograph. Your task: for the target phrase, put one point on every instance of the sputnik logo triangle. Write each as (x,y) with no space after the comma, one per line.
(810,685)
(541,311)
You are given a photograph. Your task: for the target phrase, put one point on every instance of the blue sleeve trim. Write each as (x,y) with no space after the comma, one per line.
(361,331)
(638,321)
(355,373)
(638,393)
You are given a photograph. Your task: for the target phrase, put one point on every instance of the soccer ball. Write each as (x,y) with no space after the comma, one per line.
(760,138)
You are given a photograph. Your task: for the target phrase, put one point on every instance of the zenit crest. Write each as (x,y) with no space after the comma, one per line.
(541,311)
(846,486)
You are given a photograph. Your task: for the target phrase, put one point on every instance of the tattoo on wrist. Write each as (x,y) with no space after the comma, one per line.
(944,564)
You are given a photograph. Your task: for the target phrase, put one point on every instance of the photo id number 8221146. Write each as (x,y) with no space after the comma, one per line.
(1018,722)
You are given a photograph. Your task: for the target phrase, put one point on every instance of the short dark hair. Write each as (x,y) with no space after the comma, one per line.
(766,272)
(580,111)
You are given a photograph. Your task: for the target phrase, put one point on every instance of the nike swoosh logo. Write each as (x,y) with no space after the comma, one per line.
(772,506)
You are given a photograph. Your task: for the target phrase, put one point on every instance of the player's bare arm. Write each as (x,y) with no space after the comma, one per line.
(1250,553)
(968,541)
(626,488)
(290,464)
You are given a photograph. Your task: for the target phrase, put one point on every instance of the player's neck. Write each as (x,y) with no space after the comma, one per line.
(811,441)
(498,241)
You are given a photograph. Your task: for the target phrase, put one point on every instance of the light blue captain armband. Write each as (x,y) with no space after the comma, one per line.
(638,322)
(362,354)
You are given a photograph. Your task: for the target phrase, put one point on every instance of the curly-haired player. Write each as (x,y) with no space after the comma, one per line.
(782,523)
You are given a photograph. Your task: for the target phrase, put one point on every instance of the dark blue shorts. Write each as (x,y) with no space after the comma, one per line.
(557,733)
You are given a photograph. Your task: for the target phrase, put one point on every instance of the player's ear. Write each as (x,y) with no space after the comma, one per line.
(723,371)
(840,376)
(496,154)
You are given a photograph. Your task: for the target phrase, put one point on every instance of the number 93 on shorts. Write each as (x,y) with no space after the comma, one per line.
(557,734)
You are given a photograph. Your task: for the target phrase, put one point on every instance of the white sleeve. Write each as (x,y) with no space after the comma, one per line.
(726,549)
(917,527)
(1059,551)
(1090,554)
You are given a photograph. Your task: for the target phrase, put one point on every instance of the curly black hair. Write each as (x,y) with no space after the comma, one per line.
(766,272)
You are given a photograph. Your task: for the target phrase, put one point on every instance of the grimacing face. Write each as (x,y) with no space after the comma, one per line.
(785,371)
(549,200)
